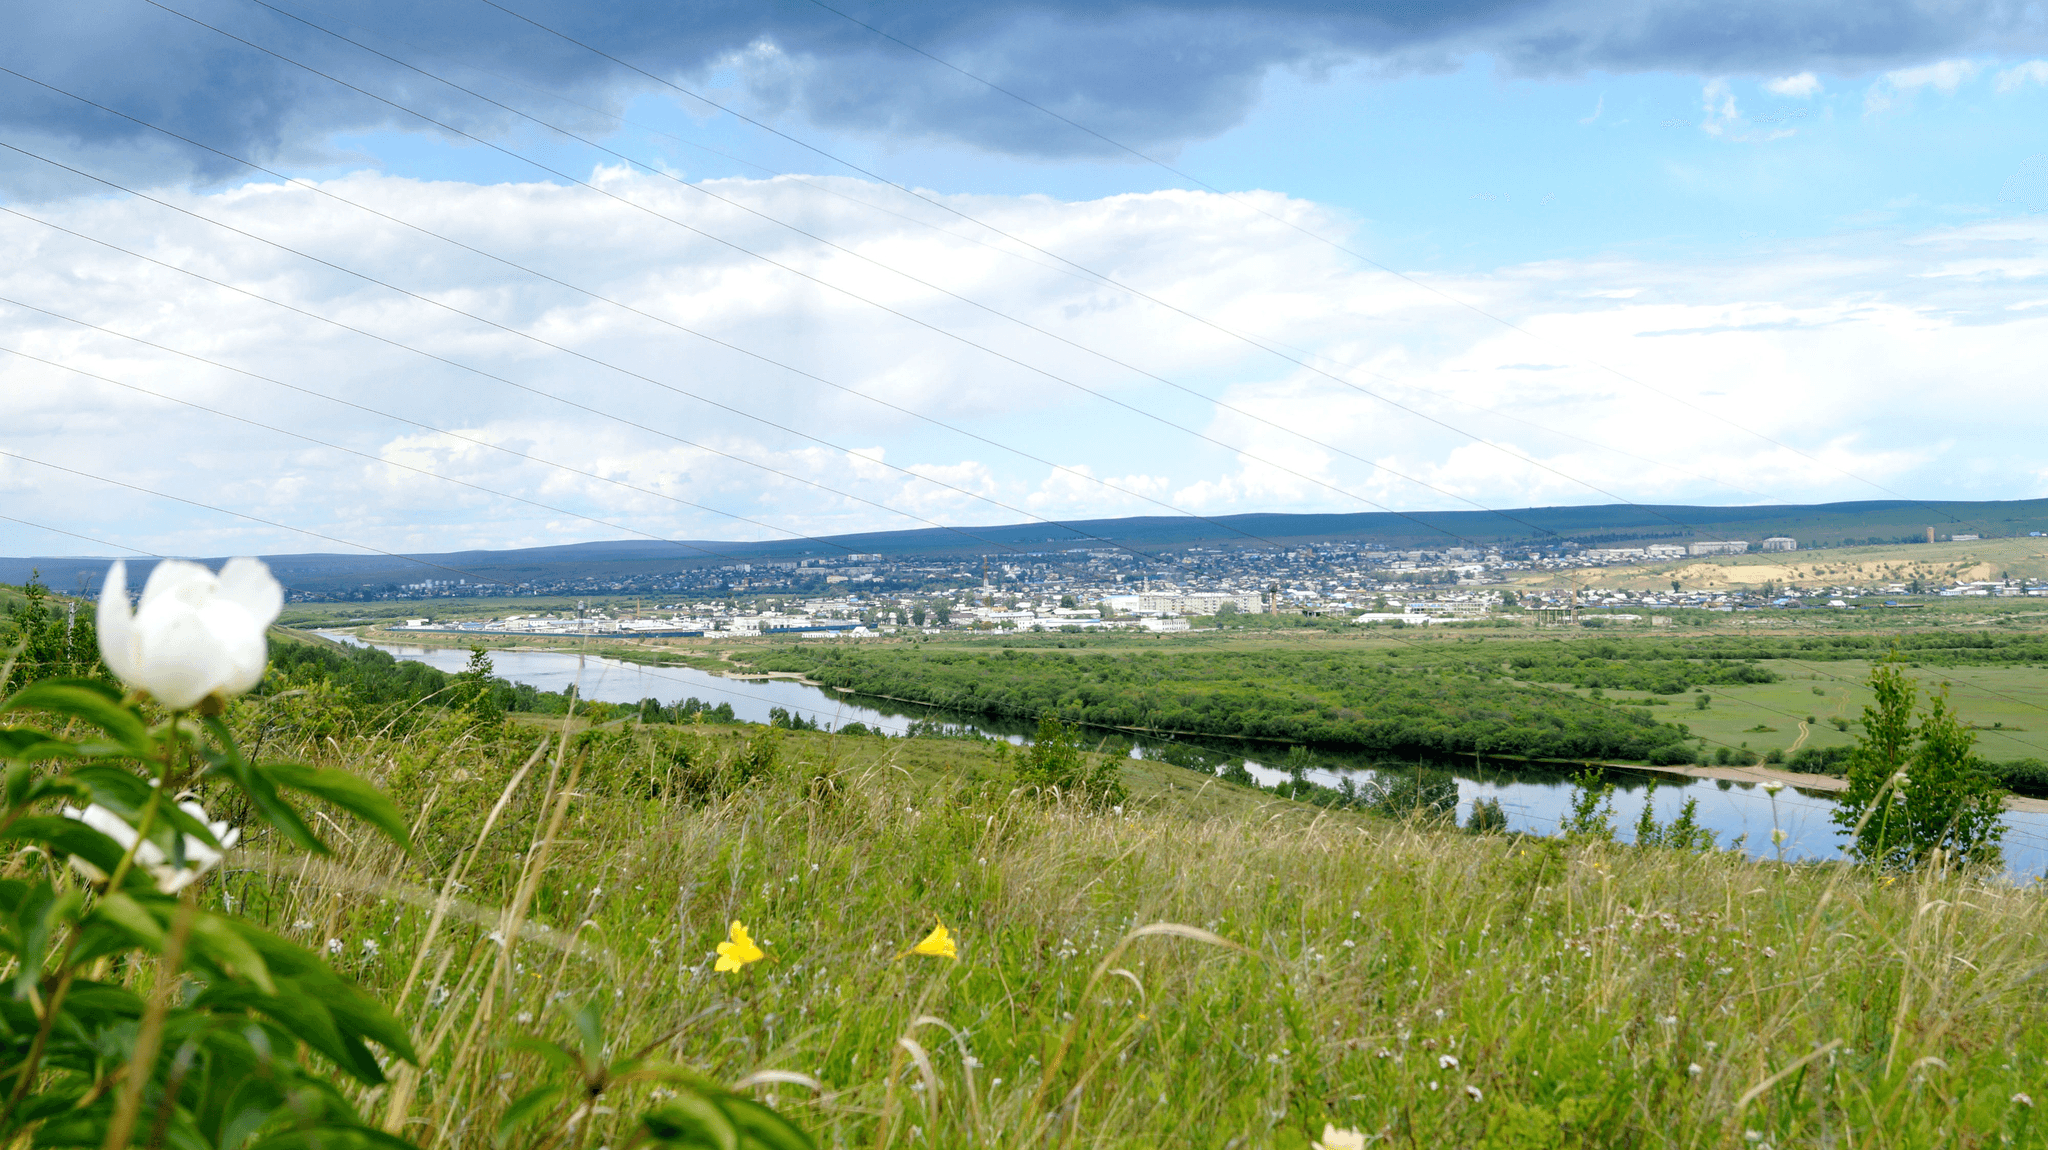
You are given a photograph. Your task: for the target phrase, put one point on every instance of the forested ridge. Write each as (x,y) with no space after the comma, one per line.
(1370,701)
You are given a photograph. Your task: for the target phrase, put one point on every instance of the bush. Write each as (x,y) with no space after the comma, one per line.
(2022,776)
(1424,795)
(1672,755)
(1821,761)
(1055,763)
(1487,817)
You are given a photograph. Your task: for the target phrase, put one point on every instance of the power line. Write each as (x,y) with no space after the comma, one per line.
(1090,276)
(364,454)
(849,294)
(1362,257)
(1077,473)
(850,165)
(1106,357)
(611,367)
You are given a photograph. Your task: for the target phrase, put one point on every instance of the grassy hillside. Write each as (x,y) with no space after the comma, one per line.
(1437,988)
(1937,564)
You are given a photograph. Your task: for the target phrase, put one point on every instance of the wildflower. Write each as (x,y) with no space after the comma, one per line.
(1695,1069)
(937,944)
(1335,1139)
(196,636)
(170,879)
(1446,1062)
(335,946)
(1773,787)
(1473,1093)
(738,950)
(2023,1099)
(1778,836)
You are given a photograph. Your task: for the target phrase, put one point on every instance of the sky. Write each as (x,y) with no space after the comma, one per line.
(344,274)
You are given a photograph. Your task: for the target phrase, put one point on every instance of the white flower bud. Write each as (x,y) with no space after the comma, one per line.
(195,634)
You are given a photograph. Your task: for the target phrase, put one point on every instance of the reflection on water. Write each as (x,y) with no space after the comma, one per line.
(1535,800)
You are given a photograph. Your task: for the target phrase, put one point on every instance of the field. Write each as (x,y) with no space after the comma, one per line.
(1198,963)
(1433,987)
(2005,704)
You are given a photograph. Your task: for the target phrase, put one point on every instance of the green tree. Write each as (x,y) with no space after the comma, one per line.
(476,691)
(1068,602)
(1592,807)
(1917,787)
(49,639)
(1487,818)
(1055,762)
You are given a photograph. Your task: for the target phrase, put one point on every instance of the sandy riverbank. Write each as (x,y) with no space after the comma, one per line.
(1820,784)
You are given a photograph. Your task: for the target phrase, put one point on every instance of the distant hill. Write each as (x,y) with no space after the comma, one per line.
(1818,525)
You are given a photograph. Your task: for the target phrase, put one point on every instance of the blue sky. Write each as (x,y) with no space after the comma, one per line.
(1813,261)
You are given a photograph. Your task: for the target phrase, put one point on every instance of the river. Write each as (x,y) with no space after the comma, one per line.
(1535,800)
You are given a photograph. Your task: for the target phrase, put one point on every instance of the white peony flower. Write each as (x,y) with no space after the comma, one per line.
(170,879)
(1335,1139)
(195,635)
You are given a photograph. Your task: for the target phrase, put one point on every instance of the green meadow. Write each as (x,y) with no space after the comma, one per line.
(1206,966)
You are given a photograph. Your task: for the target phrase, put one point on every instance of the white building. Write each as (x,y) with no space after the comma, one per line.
(1186,602)
(1719,547)
(1781,543)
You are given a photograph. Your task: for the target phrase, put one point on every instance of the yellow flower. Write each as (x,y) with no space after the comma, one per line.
(737,951)
(937,944)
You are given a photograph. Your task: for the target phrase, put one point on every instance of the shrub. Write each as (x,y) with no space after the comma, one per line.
(1917,787)
(2023,776)
(1487,817)
(1425,795)
(1672,755)
(1820,760)
(1056,764)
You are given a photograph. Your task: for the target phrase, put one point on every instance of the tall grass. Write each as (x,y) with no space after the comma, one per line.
(1436,988)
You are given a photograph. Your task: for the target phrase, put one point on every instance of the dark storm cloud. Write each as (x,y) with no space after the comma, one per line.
(1152,75)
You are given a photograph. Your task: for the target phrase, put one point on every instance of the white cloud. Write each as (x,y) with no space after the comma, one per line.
(1944,76)
(1717,101)
(1804,84)
(1833,346)
(2015,78)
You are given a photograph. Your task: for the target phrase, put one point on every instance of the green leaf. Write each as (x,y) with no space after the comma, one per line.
(24,787)
(63,837)
(759,1125)
(227,761)
(346,790)
(525,1109)
(554,1054)
(94,702)
(690,1121)
(331,1136)
(217,939)
(28,745)
(41,913)
(123,911)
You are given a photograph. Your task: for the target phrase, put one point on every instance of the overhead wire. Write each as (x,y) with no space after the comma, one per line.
(1362,257)
(508,329)
(1138,293)
(1071,271)
(927,325)
(1071,471)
